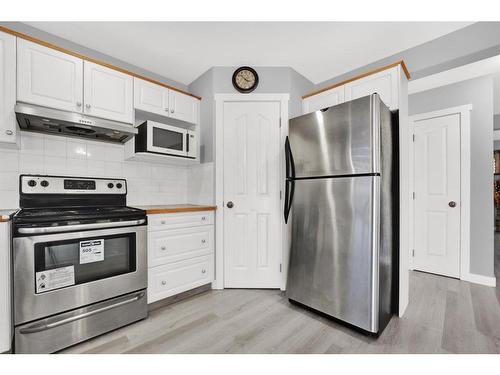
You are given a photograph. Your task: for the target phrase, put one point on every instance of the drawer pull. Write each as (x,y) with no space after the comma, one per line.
(203,218)
(203,271)
(164,248)
(163,222)
(203,241)
(163,282)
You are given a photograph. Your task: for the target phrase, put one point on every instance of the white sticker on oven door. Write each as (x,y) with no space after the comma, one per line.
(91,251)
(55,279)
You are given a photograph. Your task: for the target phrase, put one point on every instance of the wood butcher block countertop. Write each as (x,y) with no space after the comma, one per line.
(175,208)
(6,214)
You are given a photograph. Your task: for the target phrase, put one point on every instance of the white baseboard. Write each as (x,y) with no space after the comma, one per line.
(480,279)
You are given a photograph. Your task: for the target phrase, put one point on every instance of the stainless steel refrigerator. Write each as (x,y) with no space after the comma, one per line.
(340,201)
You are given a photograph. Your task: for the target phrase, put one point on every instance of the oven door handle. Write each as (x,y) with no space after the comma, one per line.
(39,327)
(73,228)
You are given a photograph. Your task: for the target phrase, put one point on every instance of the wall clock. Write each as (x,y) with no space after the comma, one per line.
(245,79)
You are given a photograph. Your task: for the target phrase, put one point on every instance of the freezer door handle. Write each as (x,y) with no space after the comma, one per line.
(290,164)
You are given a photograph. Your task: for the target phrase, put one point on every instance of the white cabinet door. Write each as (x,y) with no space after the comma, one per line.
(150,97)
(324,100)
(108,93)
(48,77)
(174,278)
(173,245)
(183,107)
(7,88)
(384,83)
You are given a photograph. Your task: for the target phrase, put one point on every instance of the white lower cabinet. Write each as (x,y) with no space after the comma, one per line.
(180,253)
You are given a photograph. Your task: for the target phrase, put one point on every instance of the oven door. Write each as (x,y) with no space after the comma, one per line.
(59,272)
(166,139)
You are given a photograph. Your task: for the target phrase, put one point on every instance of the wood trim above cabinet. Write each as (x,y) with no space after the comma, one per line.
(91,59)
(359,76)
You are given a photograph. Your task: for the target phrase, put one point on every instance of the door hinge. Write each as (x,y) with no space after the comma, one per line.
(413,194)
(413,253)
(281,193)
(280,267)
(280,122)
(413,137)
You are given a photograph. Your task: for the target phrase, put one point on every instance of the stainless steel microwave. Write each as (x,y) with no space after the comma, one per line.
(157,138)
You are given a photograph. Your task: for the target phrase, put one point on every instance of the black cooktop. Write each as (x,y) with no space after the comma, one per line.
(61,214)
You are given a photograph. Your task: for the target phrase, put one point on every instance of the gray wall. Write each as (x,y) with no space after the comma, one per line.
(472,43)
(64,43)
(479,93)
(217,80)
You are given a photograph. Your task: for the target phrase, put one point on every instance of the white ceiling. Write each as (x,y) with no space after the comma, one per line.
(182,51)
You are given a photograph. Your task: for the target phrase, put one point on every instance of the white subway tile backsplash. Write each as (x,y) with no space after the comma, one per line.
(148,183)
(76,149)
(29,163)
(54,146)
(9,161)
(32,143)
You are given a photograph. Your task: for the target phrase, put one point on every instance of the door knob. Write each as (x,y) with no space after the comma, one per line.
(452,204)
(230,204)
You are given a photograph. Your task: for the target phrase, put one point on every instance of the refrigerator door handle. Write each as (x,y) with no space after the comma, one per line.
(289,191)
(290,164)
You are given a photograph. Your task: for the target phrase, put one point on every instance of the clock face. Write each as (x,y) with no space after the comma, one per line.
(245,79)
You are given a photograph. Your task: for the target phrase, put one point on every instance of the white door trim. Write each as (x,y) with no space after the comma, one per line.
(220,99)
(464,112)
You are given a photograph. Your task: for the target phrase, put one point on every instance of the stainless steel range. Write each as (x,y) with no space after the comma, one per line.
(79,261)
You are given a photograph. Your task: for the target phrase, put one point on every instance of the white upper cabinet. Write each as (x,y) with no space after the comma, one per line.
(183,107)
(7,88)
(150,97)
(384,83)
(48,77)
(108,93)
(323,100)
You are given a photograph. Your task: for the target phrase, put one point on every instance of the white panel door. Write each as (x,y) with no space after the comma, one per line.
(48,77)
(437,195)
(150,97)
(7,88)
(326,99)
(384,83)
(251,185)
(183,107)
(108,93)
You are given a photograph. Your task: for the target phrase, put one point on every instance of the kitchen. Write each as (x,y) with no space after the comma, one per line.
(128,204)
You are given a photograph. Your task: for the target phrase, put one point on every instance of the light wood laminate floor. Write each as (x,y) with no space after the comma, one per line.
(444,316)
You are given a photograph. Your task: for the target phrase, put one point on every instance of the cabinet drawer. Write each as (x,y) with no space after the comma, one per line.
(168,280)
(177,244)
(179,220)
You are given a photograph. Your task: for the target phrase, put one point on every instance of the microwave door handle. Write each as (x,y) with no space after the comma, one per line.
(187,143)
(39,327)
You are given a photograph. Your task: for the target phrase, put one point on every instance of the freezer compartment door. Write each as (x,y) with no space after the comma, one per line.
(334,248)
(339,140)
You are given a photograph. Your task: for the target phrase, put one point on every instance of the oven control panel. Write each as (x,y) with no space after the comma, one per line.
(36,184)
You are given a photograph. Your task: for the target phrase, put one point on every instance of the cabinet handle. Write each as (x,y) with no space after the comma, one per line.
(163,282)
(166,109)
(87,106)
(78,104)
(172,110)
(163,248)
(9,132)
(203,218)
(203,270)
(163,222)
(203,241)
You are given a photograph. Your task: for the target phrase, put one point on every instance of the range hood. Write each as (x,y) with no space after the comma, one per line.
(53,121)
